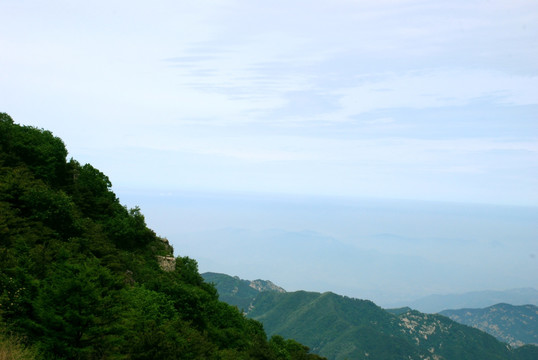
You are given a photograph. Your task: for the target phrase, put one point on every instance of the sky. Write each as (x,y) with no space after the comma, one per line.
(432,101)
(394,99)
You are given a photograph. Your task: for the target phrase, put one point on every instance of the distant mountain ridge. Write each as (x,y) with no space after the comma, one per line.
(339,327)
(258,285)
(515,325)
(239,292)
(472,300)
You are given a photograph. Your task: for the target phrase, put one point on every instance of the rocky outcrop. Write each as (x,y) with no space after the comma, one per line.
(265,285)
(167,263)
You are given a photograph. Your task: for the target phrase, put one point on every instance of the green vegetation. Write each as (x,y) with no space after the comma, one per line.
(399,311)
(80,276)
(526,352)
(238,292)
(515,325)
(339,327)
(334,326)
(232,290)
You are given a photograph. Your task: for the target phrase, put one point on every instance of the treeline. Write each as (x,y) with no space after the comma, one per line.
(79,275)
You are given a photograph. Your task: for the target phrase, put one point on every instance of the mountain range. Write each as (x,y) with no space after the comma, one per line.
(239,292)
(515,325)
(339,327)
(474,299)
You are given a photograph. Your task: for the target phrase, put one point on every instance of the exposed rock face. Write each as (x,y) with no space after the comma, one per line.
(421,326)
(167,263)
(265,285)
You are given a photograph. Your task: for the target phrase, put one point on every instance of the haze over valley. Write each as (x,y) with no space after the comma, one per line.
(386,251)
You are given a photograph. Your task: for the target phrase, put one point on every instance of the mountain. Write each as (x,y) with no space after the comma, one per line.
(515,325)
(340,327)
(82,276)
(237,291)
(475,299)
(399,311)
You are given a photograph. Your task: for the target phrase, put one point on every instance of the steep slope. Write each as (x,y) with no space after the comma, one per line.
(332,325)
(82,277)
(515,325)
(446,339)
(339,327)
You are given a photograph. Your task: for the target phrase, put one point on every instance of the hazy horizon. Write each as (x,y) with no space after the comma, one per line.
(379,249)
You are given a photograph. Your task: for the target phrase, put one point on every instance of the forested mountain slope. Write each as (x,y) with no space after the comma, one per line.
(80,274)
(239,292)
(340,327)
(515,325)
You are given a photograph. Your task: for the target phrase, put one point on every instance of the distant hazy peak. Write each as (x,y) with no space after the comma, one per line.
(234,282)
(473,300)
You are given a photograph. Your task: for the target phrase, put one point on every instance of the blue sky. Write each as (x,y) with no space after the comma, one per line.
(394,99)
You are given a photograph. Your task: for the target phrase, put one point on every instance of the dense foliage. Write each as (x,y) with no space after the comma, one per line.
(80,277)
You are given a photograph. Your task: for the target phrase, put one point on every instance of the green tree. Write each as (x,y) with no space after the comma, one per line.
(76,310)
(38,149)
(91,191)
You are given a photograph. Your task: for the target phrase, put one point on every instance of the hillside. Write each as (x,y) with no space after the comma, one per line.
(239,292)
(339,327)
(83,277)
(515,325)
